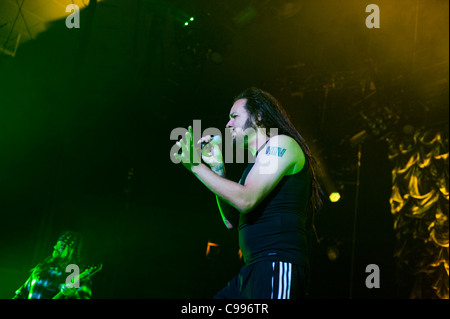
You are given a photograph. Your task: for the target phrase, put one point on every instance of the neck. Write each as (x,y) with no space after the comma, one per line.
(257,141)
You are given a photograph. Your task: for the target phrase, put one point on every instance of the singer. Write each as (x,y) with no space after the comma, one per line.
(271,208)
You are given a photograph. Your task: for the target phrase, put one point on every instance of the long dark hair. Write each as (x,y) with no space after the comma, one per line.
(75,242)
(273,115)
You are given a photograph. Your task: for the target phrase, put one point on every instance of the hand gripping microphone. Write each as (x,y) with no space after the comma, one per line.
(215,138)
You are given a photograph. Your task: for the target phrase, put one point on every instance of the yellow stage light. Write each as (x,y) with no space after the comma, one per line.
(334,197)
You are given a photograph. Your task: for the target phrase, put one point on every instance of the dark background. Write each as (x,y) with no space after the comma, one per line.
(86,115)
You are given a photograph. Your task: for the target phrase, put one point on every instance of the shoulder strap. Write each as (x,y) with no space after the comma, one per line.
(257,152)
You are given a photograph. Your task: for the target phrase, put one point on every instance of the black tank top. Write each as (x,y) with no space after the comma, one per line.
(275,229)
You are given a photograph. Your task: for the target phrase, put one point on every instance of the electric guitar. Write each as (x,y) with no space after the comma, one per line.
(85,274)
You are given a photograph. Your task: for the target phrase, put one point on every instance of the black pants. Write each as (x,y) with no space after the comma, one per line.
(267,280)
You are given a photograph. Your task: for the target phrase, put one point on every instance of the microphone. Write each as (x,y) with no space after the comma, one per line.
(215,138)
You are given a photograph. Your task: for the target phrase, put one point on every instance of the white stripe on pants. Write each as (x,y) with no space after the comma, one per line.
(284,280)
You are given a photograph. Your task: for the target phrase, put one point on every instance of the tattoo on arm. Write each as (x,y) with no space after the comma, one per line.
(275,151)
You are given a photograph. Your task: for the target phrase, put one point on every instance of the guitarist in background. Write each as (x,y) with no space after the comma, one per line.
(48,278)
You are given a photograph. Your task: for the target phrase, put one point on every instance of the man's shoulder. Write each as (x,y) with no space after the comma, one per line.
(282,139)
(281,143)
(287,149)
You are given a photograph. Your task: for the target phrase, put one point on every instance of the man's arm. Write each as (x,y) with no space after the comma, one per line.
(280,156)
(229,214)
(22,292)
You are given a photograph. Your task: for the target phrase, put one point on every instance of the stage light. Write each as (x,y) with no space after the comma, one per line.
(333,253)
(36,18)
(212,249)
(334,197)
(187,22)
